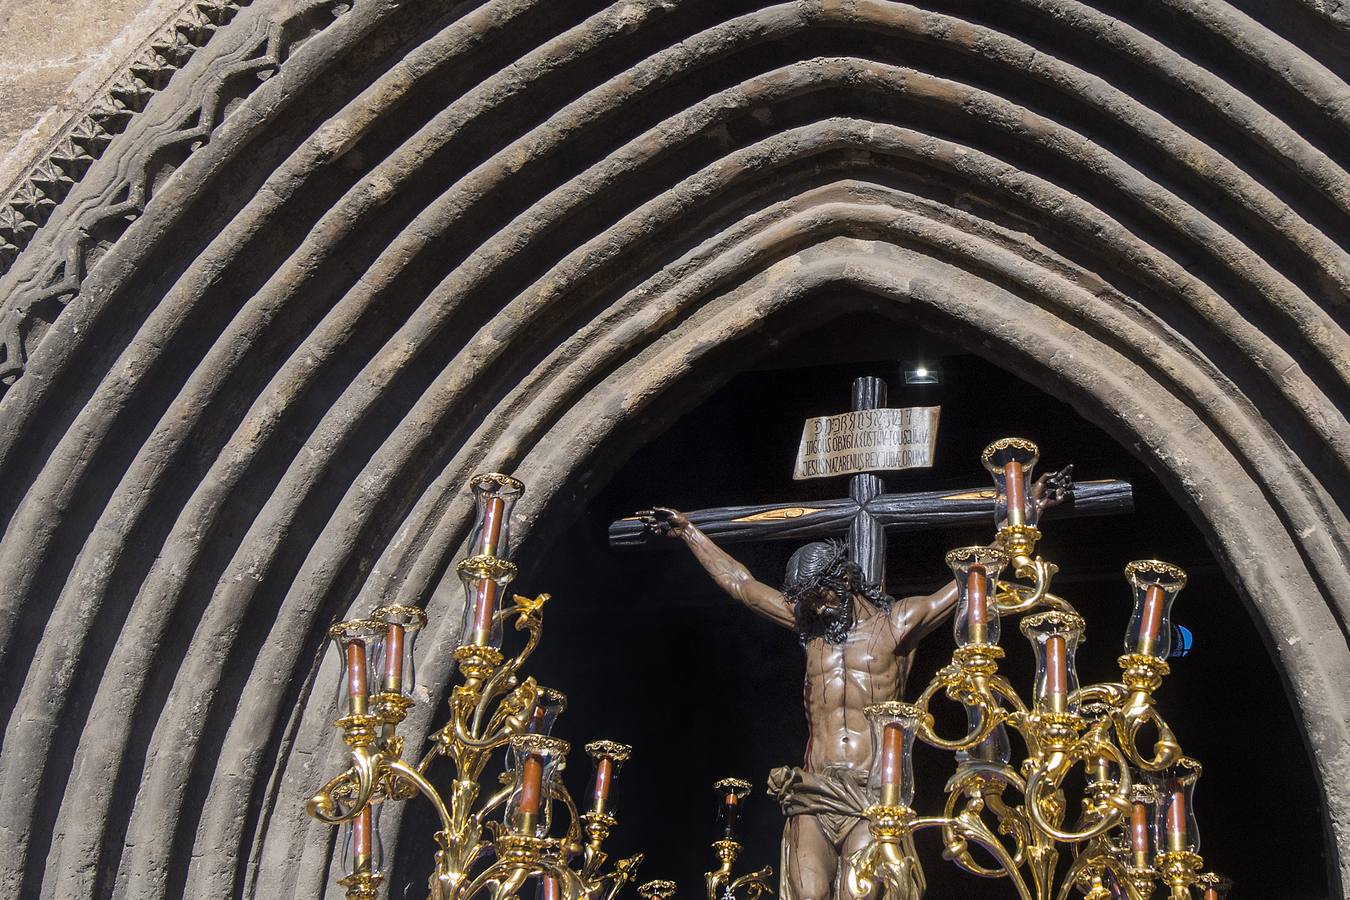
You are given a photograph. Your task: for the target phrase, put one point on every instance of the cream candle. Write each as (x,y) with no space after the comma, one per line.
(892,753)
(393,659)
(1176,821)
(531,792)
(977,600)
(1013,489)
(1139,834)
(1056,673)
(356,677)
(604,779)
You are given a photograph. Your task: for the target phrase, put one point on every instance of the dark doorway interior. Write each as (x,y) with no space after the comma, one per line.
(651,654)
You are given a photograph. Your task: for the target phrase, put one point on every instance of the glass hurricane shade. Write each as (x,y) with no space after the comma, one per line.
(547,707)
(1012,463)
(1054,637)
(976,571)
(607,758)
(731,794)
(394,670)
(995,748)
(485,580)
(539,759)
(359,646)
(1175,828)
(362,850)
(494,497)
(894,726)
(1156,585)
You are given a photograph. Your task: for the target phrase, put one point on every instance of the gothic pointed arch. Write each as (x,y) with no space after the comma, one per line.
(276,291)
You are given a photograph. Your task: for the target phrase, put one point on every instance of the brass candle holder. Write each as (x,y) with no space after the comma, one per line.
(1136,831)
(721,883)
(539,835)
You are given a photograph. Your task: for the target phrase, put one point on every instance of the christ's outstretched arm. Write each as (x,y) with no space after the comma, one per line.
(914,618)
(729,574)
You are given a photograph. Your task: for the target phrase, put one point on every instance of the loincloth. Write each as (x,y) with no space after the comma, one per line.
(836,796)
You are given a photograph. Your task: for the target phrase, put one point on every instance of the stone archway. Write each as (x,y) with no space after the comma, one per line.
(277,299)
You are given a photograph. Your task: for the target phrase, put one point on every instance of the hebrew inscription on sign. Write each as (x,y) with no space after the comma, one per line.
(868,440)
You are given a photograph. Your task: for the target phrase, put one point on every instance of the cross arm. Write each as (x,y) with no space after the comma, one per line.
(940,509)
(765,521)
(896,512)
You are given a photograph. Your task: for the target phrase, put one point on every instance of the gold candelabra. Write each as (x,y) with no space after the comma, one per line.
(721,883)
(491,709)
(1136,830)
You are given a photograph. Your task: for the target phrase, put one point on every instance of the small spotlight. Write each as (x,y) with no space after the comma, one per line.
(922,375)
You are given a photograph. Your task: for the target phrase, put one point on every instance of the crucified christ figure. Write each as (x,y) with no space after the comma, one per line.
(859,644)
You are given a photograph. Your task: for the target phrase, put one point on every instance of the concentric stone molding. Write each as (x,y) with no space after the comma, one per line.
(339,263)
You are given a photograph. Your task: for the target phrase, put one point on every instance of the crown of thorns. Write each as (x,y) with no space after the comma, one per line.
(812,564)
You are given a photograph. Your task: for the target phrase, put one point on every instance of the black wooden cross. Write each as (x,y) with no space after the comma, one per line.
(868,512)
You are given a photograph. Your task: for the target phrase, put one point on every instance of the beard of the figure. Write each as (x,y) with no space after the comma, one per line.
(833,622)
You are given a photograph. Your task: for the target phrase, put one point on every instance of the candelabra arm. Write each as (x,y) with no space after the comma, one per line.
(726,851)
(507,719)
(982,786)
(607,886)
(1013,819)
(1111,693)
(1012,598)
(406,773)
(970,828)
(1045,778)
(461,738)
(1001,688)
(492,803)
(1166,749)
(991,716)
(513,712)
(720,884)
(755,884)
(1142,675)
(501,678)
(1077,869)
(573,838)
(359,780)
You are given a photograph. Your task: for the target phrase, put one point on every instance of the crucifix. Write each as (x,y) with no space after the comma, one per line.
(858,641)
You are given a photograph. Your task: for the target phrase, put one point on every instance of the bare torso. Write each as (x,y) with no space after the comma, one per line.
(842,680)
(843,677)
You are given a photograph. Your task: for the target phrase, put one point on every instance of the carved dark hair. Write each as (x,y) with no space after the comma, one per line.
(824,566)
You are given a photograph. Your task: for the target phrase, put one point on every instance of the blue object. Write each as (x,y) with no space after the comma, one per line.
(1182,639)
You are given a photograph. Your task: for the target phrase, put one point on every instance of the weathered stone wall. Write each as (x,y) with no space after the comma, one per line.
(54,56)
(305,266)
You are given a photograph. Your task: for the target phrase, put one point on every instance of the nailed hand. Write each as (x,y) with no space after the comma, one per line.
(1053,488)
(663,521)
